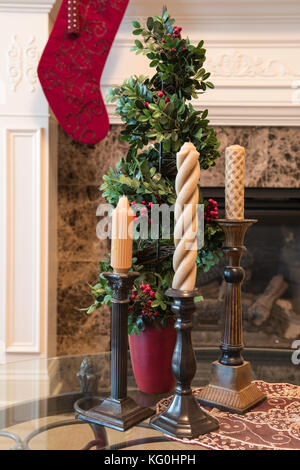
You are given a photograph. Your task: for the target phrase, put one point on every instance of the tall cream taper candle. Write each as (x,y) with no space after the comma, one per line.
(186,223)
(234,182)
(122,236)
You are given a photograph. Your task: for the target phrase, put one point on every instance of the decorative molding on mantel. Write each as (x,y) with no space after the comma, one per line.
(25,6)
(256,11)
(217,19)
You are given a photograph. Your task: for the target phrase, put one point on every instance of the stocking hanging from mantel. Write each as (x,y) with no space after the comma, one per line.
(71,65)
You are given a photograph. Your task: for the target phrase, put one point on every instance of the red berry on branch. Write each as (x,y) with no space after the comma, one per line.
(167,100)
(146,104)
(160,93)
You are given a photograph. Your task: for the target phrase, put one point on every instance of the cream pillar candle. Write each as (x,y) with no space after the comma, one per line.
(234,182)
(122,236)
(186,223)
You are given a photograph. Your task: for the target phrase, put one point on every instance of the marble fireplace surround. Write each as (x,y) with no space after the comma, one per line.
(252,51)
(273,160)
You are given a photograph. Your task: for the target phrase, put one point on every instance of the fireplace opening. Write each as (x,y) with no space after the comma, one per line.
(271,290)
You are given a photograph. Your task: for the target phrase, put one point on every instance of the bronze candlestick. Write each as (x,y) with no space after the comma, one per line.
(118,411)
(230,386)
(184,418)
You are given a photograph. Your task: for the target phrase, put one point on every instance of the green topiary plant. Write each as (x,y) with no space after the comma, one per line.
(159,118)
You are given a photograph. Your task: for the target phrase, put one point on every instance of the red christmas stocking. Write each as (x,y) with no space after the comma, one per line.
(72,63)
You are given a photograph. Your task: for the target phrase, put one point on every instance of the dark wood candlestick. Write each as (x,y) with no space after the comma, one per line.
(230,386)
(184,418)
(118,411)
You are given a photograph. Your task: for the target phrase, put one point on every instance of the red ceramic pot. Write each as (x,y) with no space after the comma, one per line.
(151,357)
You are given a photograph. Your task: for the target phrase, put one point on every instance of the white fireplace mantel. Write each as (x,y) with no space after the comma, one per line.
(253,51)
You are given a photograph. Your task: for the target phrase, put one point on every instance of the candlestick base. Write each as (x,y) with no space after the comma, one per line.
(120,414)
(184,418)
(230,389)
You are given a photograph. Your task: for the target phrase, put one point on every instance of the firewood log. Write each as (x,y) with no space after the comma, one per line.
(260,310)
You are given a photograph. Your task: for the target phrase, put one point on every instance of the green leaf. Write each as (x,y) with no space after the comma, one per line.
(140,324)
(150,23)
(158,28)
(138,44)
(198,134)
(152,135)
(136,330)
(162,104)
(136,24)
(143,118)
(153,107)
(165,16)
(130,329)
(174,136)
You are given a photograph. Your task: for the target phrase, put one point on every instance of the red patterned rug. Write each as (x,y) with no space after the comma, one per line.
(272,425)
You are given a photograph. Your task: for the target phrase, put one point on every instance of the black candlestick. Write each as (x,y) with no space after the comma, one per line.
(184,418)
(117,411)
(230,386)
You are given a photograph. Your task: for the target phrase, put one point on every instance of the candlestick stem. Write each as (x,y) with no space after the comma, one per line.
(232,338)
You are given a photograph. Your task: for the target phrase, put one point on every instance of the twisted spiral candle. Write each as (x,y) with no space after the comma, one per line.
(186,223)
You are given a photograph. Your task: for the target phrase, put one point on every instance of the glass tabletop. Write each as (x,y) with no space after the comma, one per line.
(37,400)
